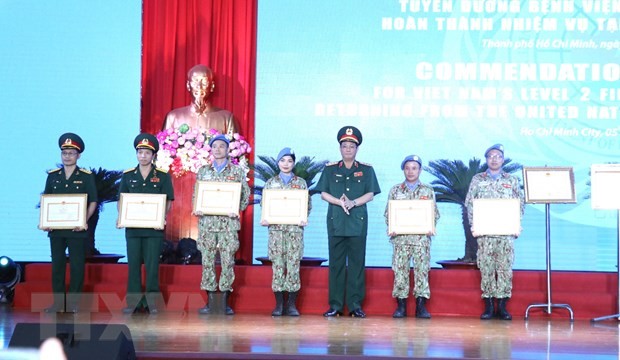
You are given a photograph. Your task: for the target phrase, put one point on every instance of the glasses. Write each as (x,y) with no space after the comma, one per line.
(495,157)
(69,153)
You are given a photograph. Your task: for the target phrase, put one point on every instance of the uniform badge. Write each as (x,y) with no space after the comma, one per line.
(155,179)
(77,181)
(295,187)
(507,186)
(230,178)
(358,173)
(423,197)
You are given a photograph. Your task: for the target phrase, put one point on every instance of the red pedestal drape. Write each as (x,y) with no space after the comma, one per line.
(177,35)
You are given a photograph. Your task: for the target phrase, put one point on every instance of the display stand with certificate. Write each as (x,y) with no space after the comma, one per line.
(605,194)
(217,198)
(63,211)
(284,206)
(142,210)
(549,185)
(411,217)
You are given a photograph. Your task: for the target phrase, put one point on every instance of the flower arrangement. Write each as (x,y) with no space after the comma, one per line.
(183,149)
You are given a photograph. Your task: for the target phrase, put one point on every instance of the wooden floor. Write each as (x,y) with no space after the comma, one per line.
(179,335)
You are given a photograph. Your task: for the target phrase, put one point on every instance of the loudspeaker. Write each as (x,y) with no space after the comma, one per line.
(80,341)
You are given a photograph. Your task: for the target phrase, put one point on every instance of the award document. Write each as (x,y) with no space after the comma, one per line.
(287,207)
(142,210)
(217,198)
(497,216)
(547,185)
(414,217)
(63,211)
(605,193)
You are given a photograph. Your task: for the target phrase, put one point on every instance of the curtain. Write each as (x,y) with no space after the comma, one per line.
(177,35)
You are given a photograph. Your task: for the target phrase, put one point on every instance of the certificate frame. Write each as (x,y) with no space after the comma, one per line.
(549,185)
(63,211)
(216,197)
(138,210)
(604,190)
(497,216)
(284,206)
(411,217)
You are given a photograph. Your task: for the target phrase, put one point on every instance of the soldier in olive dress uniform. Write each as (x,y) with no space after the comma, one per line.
(220,232)
(69,179)
(347,185)
(144,245)
(495,253)
(407,247)
(286,242)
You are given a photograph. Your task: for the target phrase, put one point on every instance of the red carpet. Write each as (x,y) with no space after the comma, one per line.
(453,292)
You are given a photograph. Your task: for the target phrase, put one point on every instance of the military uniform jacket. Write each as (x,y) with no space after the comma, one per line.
(402,192)
(336,180)
(82,181)
(482,186)
(157,182)
(230,173)
(296,183)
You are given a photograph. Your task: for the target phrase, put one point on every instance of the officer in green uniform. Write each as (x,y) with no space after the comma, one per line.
(347,185)
(69,179)
(143,244)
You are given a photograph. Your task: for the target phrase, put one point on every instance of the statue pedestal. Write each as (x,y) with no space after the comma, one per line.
(180,222)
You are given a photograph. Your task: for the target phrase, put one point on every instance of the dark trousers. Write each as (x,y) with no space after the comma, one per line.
(77,259)
(347,278)
(143,250)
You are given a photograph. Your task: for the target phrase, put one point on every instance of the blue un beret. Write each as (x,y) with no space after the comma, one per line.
(498,147)
(284,152)
(415,158)
(221,138)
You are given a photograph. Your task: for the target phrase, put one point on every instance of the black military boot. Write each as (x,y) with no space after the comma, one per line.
(420,308)
(502,313)
(210,301)
(291,309)
(229,310)
(488,309)
(401,309)
(279,303)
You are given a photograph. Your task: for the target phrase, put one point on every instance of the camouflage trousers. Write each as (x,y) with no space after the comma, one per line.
(209,243)
(420,251)
(285,251)
(495,258)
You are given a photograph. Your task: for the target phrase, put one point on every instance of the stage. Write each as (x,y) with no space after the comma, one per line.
(181,334)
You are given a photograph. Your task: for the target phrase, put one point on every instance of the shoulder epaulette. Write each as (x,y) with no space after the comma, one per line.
(332,163)
(162,170)
(54,170)
(129,170)
(86,171)
(363,163)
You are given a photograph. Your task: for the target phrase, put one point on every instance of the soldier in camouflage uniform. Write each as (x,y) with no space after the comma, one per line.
(69,179)
(495,253)
(286,242)
(407,247)
(217,232)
